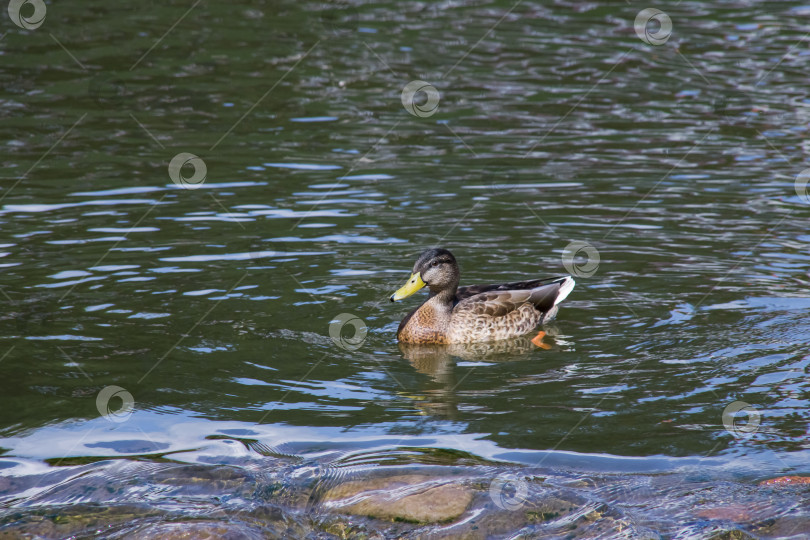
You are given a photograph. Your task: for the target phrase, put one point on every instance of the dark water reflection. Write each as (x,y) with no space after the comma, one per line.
(211,307)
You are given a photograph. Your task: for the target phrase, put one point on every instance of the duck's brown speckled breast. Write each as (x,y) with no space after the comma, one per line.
(424,326)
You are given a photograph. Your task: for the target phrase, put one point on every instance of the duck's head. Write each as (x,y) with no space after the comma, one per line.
(435,268)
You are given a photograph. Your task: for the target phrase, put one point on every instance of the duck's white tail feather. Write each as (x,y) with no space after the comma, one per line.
(565,289)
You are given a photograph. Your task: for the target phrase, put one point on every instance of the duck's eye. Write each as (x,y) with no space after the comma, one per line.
(434,263)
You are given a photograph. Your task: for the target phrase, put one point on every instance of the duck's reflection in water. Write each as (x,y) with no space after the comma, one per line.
(438,396)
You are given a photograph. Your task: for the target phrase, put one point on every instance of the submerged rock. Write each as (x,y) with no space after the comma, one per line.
(731,535)
(786,481)
(411,497)
(200,530)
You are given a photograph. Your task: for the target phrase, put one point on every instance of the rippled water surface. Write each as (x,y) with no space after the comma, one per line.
(167,362)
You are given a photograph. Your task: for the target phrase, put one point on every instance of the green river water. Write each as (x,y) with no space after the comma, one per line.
(196,194)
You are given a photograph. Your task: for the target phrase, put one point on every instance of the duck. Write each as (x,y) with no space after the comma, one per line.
(453,314)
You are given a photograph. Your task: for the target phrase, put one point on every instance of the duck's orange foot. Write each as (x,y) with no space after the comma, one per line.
(538,341)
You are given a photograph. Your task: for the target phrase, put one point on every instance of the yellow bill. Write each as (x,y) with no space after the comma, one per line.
(414,284)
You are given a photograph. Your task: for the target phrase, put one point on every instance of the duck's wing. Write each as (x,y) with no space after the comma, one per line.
(471,290)
(501,300)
